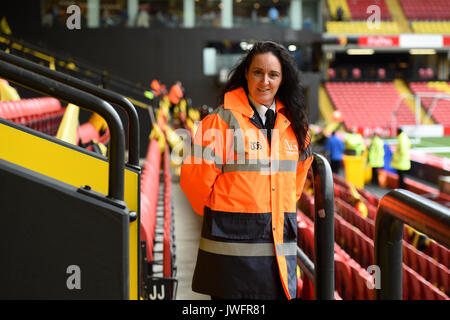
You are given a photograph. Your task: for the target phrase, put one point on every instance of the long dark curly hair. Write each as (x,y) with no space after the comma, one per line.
(290,92)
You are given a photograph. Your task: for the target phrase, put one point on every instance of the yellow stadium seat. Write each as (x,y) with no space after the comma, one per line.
(431,26)
(360,27)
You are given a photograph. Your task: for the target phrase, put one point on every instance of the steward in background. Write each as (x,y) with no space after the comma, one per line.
(376,156)
(400,159)
(354,143)
(175,95)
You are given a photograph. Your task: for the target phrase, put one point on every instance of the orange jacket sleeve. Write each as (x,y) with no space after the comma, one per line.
(204,162)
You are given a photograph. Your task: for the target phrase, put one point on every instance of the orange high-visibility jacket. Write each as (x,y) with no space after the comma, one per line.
(175,94)
(247,191)
(156,87)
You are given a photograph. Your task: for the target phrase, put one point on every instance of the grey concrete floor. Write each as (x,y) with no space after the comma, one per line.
(187,234)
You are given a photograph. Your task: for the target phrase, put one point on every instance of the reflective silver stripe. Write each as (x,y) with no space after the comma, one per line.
(262,165)
(287,165)
(238,137)
(247,249)
(206,153)
(246,167)
(237,249)
(287,249)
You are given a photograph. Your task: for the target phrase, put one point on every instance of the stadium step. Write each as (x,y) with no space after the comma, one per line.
(325,105)
(398,15)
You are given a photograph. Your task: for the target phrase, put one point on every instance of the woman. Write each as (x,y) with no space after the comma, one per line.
(246,178)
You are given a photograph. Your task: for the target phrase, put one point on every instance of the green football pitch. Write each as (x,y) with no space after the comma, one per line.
(436,146)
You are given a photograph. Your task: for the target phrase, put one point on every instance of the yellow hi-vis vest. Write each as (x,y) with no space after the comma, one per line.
(376,153)
(400,158)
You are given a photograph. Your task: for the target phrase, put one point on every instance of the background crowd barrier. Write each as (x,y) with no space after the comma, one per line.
(396,208)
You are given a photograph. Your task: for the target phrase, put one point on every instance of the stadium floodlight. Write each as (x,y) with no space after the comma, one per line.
(360,51)
(422,51)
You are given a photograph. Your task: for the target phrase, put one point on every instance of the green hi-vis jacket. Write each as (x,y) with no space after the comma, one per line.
(376,153)
(401,159)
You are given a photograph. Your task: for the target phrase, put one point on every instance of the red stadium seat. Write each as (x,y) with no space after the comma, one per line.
(331,73)
(344,284)
(381,73)
(426,9)
(355,100)
(358,9)
(359,283)
(356,73)
(444,278)
(422,73)
(414,285)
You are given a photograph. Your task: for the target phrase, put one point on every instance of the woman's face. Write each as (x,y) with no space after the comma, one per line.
(264,78)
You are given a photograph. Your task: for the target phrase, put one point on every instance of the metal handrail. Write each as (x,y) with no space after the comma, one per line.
(396,208)
(84,100)
(110,96)
(305,264)
(323,267)
(25,47)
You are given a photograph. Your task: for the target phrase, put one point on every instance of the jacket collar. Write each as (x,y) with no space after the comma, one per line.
(237,100)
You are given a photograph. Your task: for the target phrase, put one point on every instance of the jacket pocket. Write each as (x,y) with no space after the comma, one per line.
(241,226)
(290,227)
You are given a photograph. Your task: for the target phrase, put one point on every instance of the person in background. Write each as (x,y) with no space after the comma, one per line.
(175,95)
(273,14)
(339,13)
(354,143)
(155,85)
(400,159)
(335,147)
(376,156)
(245,173)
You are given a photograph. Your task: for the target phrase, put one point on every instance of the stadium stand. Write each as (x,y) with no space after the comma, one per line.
(358,9)
(149,196)
(157,222)
(436,27)
(42,114)
(425,274)
(358,99)
(354,18)
(360,27)
(440,112)
(333,6)
(426,9)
